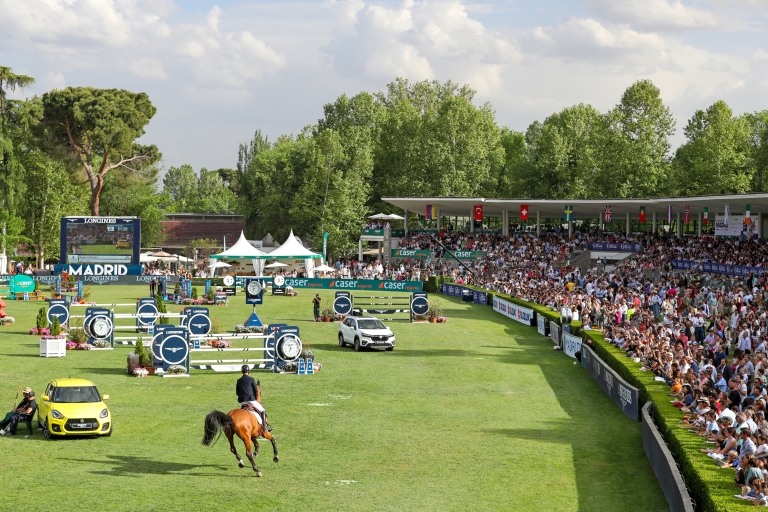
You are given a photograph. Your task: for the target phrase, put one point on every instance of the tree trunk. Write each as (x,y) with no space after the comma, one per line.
(95,191)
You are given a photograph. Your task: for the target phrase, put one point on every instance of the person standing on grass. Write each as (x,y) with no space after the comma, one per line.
(316,305)
(152,287)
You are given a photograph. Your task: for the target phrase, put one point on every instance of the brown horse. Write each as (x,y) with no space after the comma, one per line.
(245,425)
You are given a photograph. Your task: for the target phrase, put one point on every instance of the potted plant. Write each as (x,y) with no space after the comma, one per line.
(176,369)
(328,315)
(37,289)
(53,344)
(42,320)
(146,358)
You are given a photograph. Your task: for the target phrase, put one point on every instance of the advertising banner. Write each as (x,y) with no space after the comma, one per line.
(736,226)
(354,284)
(513,311)
(623,395)
(718,268)
(90,279)
(96,269)
(456,290)
(554,333)
(542,325)
(614,246)
(466,255)
(571,344)
(411,253)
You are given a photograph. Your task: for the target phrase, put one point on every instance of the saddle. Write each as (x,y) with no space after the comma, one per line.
(249,407)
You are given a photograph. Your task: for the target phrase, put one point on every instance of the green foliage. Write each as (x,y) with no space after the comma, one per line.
(194,293)
(207,193)
(42,319)
(55,327)
(161,309)
(37,286)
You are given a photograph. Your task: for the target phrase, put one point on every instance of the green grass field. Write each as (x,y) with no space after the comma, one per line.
(104,249)
(476,414)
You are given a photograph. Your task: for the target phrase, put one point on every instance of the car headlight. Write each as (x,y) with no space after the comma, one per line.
(104,413)
(56,414)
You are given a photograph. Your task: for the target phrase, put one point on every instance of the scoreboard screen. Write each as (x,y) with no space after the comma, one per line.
(110,240)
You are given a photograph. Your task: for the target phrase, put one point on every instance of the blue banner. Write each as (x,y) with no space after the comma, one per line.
(615,246)
(456,290)
(98,269)
(718,268)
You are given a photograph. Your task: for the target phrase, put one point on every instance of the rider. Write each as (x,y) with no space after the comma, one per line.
(247,393)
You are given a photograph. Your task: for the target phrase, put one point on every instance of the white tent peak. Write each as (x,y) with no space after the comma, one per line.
(241,250)
(292,248)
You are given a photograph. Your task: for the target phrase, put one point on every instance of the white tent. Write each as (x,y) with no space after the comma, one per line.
(146,258)
(243,250)
(218,264)
(276,264)
(324,268)
(293,250)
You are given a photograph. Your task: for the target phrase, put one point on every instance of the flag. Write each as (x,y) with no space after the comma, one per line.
(746,215)
(725,216)
(607,213)
(430,212)
(568,214)
(706,215)
(669,214)
(478,212)
(523,212)
(642,214)
(687,214)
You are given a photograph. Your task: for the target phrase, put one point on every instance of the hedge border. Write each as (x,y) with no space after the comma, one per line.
(710,487)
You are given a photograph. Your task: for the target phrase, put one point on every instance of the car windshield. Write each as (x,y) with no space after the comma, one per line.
(371,324)
(76,395)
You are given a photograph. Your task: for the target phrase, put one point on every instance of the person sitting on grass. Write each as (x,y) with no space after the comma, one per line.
(728,444)
(25,410)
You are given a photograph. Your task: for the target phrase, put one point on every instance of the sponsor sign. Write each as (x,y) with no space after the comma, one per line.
(57,308)
(717,268)
(97,269)
(342,304)
(456,290)
(623,395)
(513,311)
(411,253)
(396,233)
(467,255)
(554,333)
(615,246)
(129,279)
(542,325)
(736,226)
(571,344)
(420,303)
(354,284)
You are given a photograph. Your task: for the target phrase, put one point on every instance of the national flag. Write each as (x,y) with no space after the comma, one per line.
(478,212)
(642,214)
(430,212)
(669,214)
(607,213)
(725,216)
(746,215)
(523,212)
(687,214)
(568,214)
(706,215)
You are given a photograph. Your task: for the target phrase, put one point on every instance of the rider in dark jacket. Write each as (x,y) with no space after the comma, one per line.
(247,392)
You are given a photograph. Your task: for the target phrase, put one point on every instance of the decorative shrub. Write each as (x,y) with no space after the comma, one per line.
(102,344)
(194,293)
(215,326)
(83,346)
(140,372)
(55,327)
(42,320)
(8,320)
(71,345)
(176,369)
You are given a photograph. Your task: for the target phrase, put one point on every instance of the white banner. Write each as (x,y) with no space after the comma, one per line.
(736,226)
(554,333)
(571,344)
(541,324)
(513,311)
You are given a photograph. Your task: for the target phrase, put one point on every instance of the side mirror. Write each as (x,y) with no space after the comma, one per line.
(46,398)
(105,397)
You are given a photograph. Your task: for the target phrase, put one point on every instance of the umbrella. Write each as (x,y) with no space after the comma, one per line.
(160,254)
(276,265)
(394,216)
(379,216)
(324,268)
(146,258)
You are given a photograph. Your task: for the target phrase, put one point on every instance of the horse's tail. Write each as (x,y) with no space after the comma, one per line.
(214,422)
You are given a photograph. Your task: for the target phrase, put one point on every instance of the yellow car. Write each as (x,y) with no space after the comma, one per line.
(73,407)
(122,243)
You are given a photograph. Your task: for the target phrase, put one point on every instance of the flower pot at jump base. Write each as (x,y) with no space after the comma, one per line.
(432,320)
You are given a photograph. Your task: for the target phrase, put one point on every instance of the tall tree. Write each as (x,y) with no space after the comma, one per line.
(99,128)
(11,183)
(181,184)
(758,143)
(716,157)
(510,178)
(636,145)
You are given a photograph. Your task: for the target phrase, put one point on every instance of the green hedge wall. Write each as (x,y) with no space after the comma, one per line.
(710,487)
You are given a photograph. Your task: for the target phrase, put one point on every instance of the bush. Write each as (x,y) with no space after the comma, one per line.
(161,309)
(42,320)
(55,327)
(194,293)
(215,326)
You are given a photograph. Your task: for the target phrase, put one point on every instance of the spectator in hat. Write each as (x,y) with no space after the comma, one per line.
(26,408)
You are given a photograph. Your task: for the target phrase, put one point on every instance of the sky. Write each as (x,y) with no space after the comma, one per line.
(218,71)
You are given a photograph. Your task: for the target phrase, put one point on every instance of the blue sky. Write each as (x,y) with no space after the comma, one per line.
(217,71)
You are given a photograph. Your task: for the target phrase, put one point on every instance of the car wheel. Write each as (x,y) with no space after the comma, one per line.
(46,432)
(390,349)
(342,344)
(357,344)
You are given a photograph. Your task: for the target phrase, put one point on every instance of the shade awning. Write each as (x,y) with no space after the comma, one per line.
(291,249)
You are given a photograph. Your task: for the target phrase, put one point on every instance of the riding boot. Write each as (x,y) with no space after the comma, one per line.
(264,423)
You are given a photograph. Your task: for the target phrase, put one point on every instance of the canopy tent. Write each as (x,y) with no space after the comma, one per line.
(324,268)
(386,216)
(243,250)
(160,254)
(276,264)
(176,257)
(146,257)
(218,264)
(291,250)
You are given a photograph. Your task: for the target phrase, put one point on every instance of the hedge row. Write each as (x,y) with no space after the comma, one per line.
(710,487)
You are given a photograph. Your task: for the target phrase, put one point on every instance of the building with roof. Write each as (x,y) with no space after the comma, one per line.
(182,228)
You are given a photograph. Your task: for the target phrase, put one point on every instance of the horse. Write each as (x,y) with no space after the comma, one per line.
(245,425)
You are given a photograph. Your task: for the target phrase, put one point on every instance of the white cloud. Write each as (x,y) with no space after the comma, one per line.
(652,15)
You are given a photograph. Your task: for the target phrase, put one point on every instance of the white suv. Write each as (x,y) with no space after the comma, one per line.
(365,331)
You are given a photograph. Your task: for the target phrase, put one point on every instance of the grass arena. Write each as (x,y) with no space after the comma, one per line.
(478,413)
